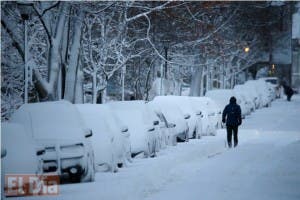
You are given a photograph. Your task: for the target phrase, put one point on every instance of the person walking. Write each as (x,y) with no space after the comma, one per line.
(233,118)
(288,91)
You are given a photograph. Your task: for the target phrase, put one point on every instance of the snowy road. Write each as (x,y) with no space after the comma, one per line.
(266,165)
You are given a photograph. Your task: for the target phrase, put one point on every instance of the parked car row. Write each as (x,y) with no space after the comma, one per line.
(251,95)
(75,141)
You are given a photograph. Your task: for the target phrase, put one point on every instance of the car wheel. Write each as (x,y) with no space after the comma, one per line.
(90,174)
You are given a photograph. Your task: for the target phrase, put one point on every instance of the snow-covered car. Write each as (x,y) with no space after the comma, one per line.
(272,90)
(267,91)
(174,115)
(205,111)
(193,121)
(260,88)
(58,127)
(216,116)
(21,156)
(242,101)
(110,139)
(274,83)
(247,96)
(252,91)
(143,134)
(220,96)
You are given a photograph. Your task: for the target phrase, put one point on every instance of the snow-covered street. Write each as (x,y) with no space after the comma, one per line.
(138,100)
(266,165)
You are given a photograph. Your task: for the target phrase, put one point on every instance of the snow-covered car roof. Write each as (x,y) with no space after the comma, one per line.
(51,120)
(134,115)
(134,106)
(170,110)
(220,96)
(100,115)
(205,104)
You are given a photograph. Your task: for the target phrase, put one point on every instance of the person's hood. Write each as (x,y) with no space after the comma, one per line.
(232,100)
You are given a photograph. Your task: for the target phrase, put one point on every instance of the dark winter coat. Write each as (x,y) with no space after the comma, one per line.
(288,90)
(232,113)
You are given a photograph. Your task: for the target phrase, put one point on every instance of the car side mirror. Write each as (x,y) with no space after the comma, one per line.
(187,116)
(171,125)
(124,129)
(3,152)
(40,152)
(89,133)
(155,123)
(151,129)
(198,112)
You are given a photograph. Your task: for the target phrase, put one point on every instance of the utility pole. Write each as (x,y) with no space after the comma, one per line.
(25,15)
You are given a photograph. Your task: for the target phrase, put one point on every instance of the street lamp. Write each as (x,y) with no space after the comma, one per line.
(246,49)
(25,11)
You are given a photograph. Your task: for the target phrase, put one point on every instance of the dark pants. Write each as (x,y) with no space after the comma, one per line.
(231,129)
(289,97)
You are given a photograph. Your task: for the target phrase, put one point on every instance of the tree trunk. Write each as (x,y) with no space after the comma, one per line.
(196,82)
(94,88)
(47,90)
(73,62)
(79,86)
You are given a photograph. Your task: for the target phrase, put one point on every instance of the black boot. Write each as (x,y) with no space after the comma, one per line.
(229,145)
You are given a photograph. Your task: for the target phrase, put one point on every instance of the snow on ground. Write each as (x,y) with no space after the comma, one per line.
(266,165)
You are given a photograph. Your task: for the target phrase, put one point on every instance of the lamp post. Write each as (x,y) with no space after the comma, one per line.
(25,11)
(166,44)
(246,50)
(123,82)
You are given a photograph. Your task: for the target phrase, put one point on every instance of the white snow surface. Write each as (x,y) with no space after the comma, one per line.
(265,165)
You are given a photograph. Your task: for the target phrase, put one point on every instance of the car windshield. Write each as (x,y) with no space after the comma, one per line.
(273,81)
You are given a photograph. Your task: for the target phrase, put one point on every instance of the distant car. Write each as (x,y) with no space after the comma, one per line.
(143,134)
(222,96)
(110,140)
(19,154)
(273,83)
(174,115)
(58,127)
(272,80)
(260,88)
